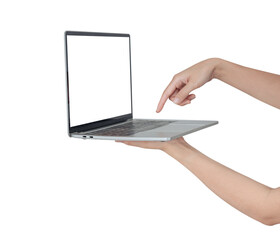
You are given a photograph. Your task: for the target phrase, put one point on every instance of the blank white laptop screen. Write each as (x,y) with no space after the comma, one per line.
(99,78)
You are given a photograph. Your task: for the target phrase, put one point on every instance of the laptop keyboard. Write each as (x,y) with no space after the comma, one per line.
(130,128)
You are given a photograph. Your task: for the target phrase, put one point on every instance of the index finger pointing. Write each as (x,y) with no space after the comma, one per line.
(166,94)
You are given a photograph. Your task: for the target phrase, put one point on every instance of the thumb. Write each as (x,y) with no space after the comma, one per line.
(183,93)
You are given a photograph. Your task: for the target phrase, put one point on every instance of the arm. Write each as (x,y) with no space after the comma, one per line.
(248,196)
(261,85)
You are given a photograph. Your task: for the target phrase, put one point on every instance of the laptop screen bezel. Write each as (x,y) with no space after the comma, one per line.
(104,122)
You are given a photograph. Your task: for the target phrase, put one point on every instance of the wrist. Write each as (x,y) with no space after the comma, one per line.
(181,151)
(218,67)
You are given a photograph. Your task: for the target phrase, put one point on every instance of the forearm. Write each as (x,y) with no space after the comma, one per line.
(261,85)
(241,192)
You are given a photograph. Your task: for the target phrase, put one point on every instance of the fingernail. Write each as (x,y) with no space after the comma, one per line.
(176,100)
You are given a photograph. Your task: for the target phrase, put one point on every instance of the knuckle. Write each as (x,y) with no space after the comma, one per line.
(175,77)
(166,93)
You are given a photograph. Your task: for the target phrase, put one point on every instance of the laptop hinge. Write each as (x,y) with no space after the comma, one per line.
(104,127)
(99,124)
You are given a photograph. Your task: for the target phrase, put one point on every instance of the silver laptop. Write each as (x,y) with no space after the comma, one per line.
(99,92)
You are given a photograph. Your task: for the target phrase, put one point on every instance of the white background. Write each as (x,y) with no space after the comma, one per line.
(54,187)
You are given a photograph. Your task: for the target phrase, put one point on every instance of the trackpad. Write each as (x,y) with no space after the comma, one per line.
(177,127)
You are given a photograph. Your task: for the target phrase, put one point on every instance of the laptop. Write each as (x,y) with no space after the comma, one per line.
(99,92)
